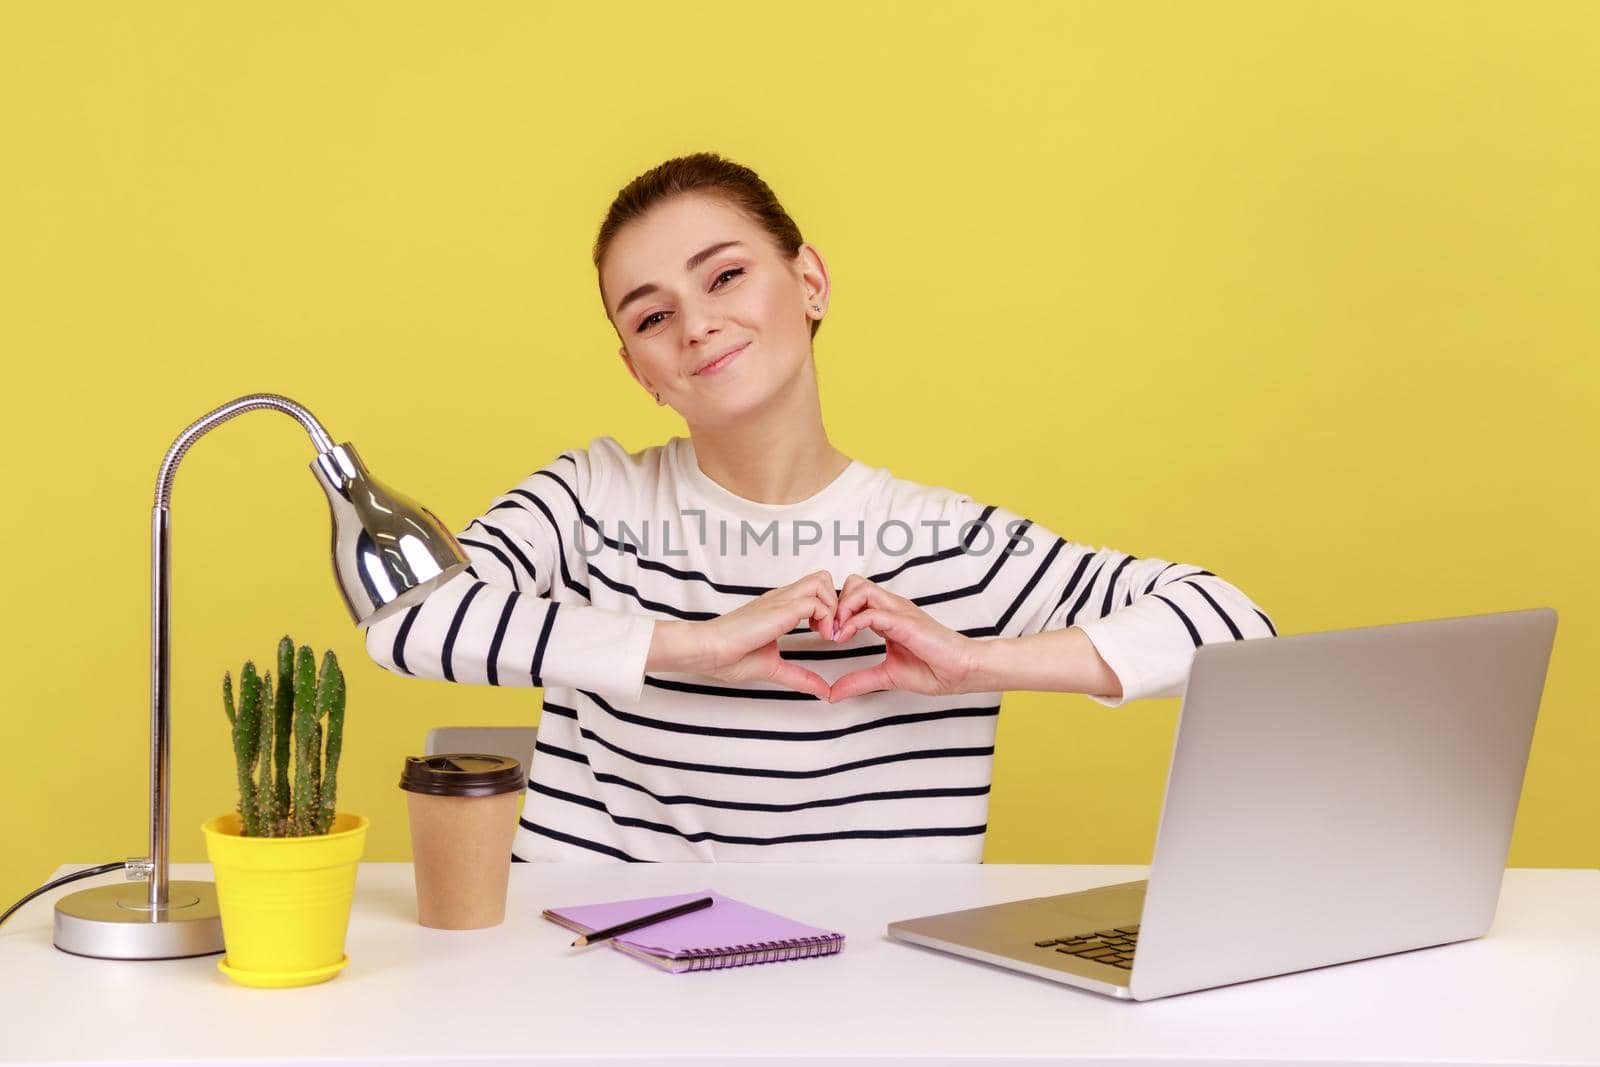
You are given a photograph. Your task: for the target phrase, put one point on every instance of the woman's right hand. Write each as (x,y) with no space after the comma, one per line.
(742,645)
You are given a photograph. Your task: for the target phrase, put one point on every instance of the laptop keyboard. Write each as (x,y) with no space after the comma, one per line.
(1114,946)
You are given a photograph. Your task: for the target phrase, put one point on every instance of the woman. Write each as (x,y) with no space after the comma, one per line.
(752,646)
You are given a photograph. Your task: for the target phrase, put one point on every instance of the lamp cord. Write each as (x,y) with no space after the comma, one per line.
(90,872)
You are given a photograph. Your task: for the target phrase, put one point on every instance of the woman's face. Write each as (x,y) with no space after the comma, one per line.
(694,279)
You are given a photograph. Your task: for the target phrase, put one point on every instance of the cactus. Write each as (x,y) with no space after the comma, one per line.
(262,724)
(247,744)
(314,809)
(283,727)
(266,795)
(330,701)
(305,711)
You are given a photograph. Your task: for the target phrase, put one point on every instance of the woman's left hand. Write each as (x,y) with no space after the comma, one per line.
(923,656)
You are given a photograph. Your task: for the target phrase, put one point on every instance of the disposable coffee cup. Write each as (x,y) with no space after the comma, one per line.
(463,812)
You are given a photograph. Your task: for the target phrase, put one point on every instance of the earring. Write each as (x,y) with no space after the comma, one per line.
(814,307)
(658,398)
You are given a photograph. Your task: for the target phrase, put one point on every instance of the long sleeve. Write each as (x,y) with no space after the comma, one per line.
(1145,617)
(520,615)
(699,769)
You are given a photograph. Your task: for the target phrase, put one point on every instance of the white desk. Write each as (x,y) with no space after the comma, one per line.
(1528,993)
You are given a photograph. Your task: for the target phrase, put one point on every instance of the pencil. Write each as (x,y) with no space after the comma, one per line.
(643,920)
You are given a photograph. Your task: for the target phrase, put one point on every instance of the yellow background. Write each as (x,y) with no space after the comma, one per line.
(1300,293)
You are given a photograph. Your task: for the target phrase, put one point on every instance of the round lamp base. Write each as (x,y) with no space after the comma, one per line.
(115,922)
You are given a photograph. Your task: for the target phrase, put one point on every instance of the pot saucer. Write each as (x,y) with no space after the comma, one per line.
(281,979)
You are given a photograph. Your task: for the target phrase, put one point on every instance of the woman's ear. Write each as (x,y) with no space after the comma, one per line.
(627,361)
(814,279)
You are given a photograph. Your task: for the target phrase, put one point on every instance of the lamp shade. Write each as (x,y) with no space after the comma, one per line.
(389,551)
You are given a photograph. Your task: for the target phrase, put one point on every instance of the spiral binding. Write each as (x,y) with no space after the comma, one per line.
(763,952)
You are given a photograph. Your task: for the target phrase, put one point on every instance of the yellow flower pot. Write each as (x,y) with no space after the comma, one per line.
(285,901)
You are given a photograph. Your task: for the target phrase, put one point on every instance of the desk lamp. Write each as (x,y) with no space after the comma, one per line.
(388,553)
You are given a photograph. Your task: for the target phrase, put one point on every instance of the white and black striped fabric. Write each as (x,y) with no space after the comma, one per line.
(571,569)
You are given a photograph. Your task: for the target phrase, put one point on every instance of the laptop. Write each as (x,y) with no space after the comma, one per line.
(1332,797)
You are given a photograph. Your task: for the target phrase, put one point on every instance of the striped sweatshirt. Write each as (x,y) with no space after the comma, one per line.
(571,568)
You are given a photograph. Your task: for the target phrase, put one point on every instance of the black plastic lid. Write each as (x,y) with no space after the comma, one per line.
(462,774)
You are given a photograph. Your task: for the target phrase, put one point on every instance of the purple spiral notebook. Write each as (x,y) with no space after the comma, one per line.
(729,933)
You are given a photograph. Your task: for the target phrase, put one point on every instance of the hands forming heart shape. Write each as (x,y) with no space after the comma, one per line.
(921,655)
